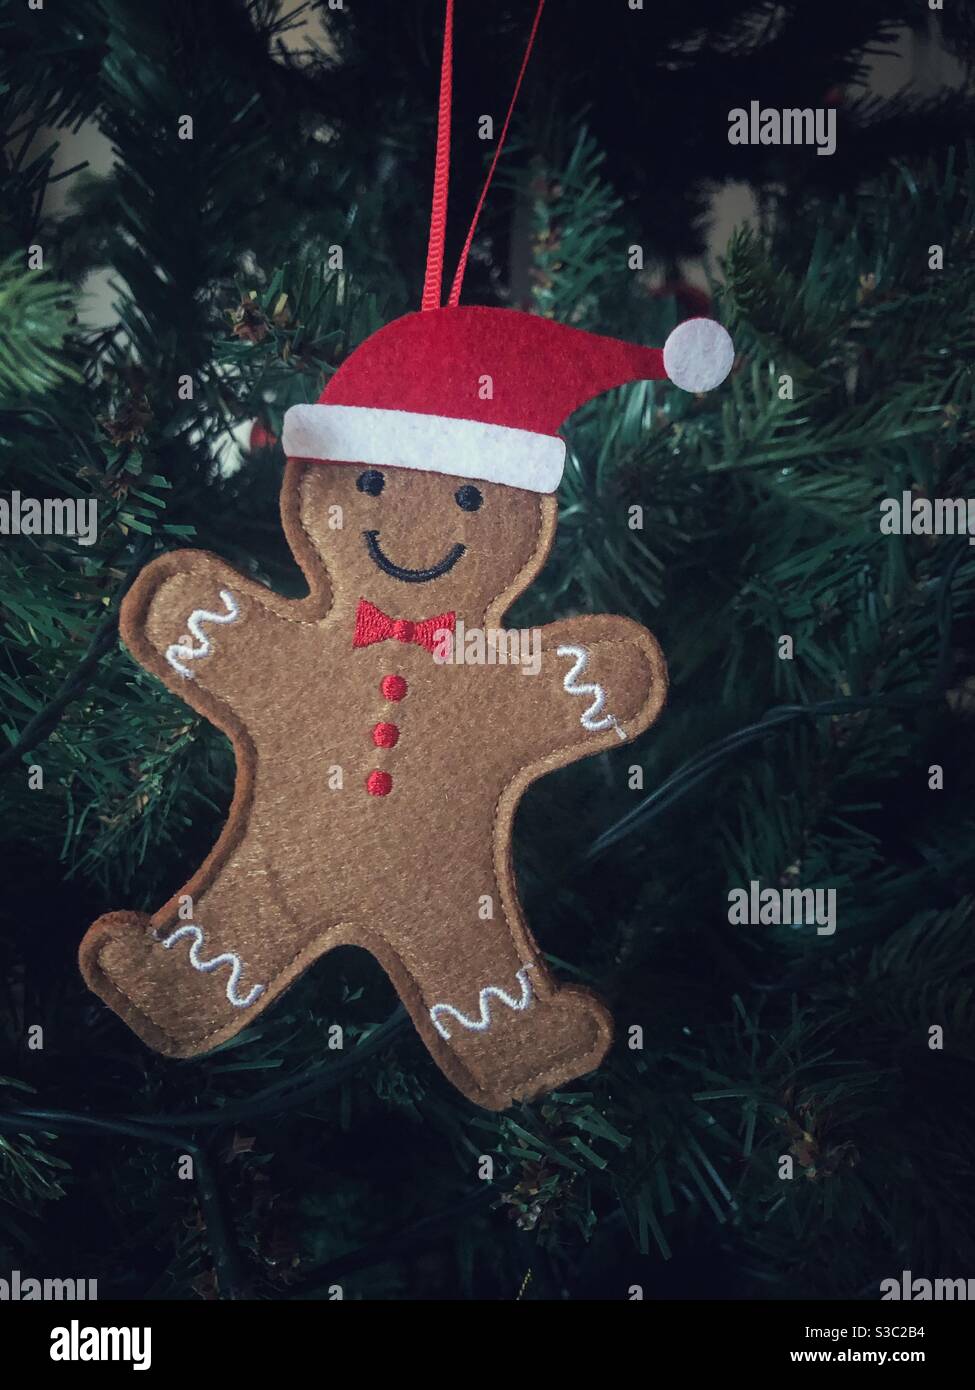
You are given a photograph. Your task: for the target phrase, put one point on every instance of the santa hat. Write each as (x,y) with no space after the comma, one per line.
(480,393)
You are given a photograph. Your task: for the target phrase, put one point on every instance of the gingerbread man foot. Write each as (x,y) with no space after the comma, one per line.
(117,958)
(181,985)
(516,1046)
(142,972)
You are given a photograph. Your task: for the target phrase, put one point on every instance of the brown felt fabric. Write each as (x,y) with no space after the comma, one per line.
(300,868)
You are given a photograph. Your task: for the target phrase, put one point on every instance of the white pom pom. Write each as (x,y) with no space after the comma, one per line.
(698,355)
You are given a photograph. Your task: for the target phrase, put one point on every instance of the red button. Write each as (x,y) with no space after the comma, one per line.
(385,735)
(393,688)
(379,783)
(403,630)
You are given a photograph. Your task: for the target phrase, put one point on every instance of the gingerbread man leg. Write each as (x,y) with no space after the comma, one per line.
(485,1004)
(180,979)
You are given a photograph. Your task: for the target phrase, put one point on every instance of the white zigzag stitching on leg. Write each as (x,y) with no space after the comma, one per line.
(482,1024)
(182,649)
(205,966)
(588,720)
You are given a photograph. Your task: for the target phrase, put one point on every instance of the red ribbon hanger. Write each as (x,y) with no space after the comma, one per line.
(433,280)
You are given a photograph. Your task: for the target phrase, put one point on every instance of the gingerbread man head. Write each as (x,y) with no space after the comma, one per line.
(419,543)
(443,427)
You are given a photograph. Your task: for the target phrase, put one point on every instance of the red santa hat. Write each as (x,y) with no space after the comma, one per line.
(481,393)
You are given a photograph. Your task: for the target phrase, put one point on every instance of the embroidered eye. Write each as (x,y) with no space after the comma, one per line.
(372,481)
(468,498)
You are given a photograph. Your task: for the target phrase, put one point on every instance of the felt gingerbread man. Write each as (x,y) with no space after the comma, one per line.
(377,783)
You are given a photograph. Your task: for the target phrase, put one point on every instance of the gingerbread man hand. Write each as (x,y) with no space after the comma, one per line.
(596,681)
(377,784)
(202,628)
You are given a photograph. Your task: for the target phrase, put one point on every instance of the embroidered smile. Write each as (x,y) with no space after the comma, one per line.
(411,576)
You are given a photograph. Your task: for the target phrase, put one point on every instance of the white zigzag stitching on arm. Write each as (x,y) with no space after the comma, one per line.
(205,966)
(588,720)
(181,651)
(482,1024)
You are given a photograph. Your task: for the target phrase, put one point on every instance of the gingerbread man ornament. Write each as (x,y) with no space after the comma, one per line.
(376,782)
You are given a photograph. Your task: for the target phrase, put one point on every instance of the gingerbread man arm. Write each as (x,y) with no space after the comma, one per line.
(206,631)
(601,681)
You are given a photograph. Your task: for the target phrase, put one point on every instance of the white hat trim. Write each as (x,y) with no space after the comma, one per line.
(433,443)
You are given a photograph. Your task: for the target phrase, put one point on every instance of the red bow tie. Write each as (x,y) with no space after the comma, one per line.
(373,625)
